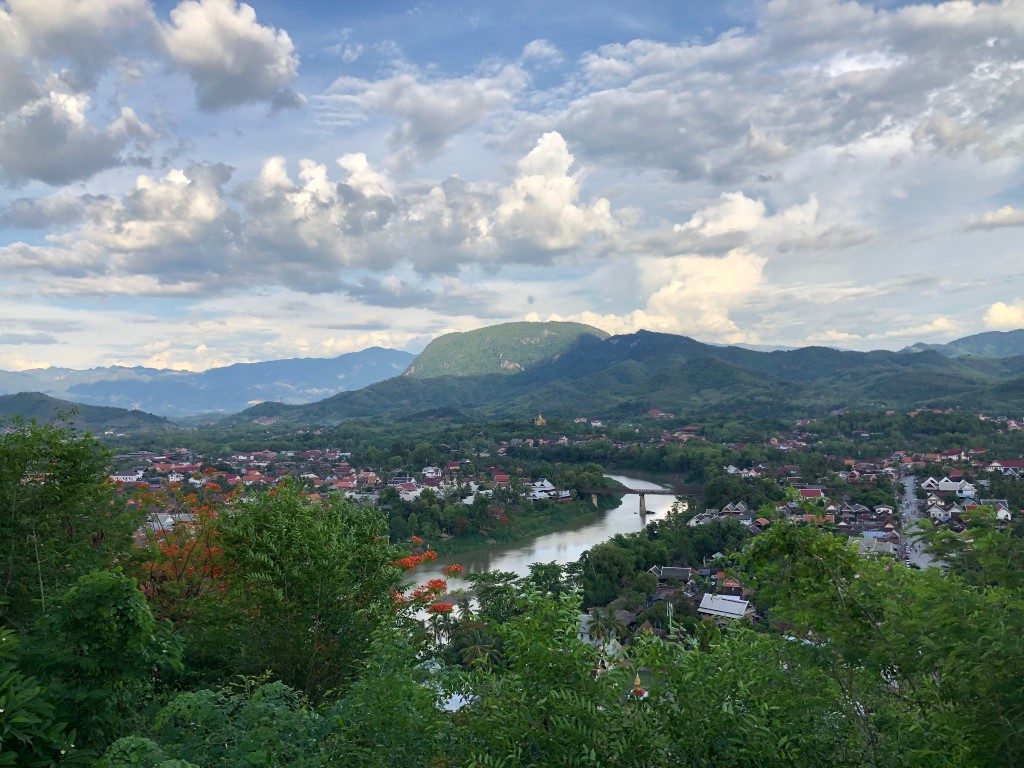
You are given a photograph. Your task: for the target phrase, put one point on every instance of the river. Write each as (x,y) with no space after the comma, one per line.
(562,546)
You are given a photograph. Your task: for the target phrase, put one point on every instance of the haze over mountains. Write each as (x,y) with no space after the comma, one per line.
(218,390)
(560,369)
(990,344)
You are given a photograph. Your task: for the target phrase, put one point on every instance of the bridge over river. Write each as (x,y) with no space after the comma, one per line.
(679,490)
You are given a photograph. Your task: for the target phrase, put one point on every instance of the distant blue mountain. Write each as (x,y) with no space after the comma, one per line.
(217,390)
(989,344)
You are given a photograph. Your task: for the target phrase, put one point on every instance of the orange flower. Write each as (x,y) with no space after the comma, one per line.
(441,608)
(417,541)
(409,562)
(430,556)
(452,570)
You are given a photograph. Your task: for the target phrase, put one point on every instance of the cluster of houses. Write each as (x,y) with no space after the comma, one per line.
(713,594)
(326,469)
(716,595)
(876,529)
(322,471)
(452,480)
(951,512)
(957,486)
(850,518)
(951,496)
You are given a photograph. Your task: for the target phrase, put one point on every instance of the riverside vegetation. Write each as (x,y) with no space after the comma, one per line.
(284,632)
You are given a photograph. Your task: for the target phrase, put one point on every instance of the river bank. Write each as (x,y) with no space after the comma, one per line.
(555,518)
(563,545)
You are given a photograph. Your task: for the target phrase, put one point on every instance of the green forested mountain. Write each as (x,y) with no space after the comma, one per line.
(990,344)
(94,418)
(507,348)
(628,375)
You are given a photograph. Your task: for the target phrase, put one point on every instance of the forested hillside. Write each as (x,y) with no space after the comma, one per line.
(506,348)
(628,375)
(94,418)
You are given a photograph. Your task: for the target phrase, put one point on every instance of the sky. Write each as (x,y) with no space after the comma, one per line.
(190,184)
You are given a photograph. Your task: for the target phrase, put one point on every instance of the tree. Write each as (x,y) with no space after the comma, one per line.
(902,646)
(59,517)
(390,717)
(605,626)
(307,582)
(101,652)
(548,577)
(543,706)
(251,724)
(30,733)
(985,553)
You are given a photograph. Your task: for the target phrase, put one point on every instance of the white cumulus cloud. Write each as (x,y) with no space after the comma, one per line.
(692,295)
(541,207)
(1007,216)
(1005,317)
(230,56)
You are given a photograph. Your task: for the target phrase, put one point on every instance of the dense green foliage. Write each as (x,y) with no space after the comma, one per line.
(505,348)
(59,517)
(31,735)
(926,661)
(611,569)
(301,582)
(502,515)
(303,649)
(101,651)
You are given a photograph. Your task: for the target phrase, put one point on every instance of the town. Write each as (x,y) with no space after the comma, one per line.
(478,496)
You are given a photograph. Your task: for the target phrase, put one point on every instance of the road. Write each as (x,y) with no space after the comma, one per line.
(910,513)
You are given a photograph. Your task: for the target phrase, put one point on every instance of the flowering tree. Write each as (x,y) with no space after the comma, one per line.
(178,566)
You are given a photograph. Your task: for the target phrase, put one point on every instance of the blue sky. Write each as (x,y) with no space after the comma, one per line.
(192,183)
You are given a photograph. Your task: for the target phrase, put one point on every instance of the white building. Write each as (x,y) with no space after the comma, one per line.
(724,606)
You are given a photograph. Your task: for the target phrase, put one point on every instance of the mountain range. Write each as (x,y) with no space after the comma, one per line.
(990,344)
(593,375)
(559,369)
(217,390)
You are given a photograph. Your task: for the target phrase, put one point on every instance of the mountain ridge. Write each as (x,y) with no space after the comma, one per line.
(92,418)
(224,389)
(627,375)
(990,344)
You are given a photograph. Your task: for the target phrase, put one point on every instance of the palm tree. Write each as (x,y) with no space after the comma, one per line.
(605,625)
(464,604)
(480,650)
